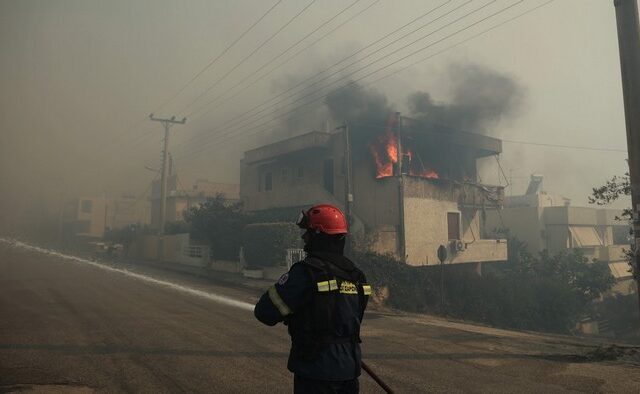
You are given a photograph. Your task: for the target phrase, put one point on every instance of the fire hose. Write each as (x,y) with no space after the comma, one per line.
(375,377)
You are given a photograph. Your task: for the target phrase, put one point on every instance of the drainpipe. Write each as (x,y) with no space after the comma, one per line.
(401,229)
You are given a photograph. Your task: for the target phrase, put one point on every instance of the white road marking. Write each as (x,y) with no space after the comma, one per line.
(144,278)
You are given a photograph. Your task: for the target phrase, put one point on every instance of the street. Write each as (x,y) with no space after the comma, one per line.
(69,326)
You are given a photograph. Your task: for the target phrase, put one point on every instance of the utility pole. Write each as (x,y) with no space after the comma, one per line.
(166,123)
(400,154)
(348,189)
(629,45)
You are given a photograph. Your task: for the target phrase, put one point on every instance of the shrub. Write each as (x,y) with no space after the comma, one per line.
(265,244)
(218,223)
(621,311)
(545,292)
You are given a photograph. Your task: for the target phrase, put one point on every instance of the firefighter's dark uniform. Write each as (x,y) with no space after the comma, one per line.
(322,300)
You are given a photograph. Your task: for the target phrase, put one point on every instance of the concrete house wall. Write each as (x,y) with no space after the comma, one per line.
(546,222)
(293,173)
(426,205)
(180,201)
(295,180)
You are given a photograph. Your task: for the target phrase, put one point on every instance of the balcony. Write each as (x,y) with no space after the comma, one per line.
(467,194)
(482,250)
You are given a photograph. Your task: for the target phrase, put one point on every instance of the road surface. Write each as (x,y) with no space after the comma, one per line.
(69,326)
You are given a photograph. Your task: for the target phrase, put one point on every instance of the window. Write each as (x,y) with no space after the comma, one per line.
(327,175)
(268,181)
(86,206)
(300,172)
(343,166)
(453,225)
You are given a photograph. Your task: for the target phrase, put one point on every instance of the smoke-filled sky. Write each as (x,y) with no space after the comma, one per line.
(78,79)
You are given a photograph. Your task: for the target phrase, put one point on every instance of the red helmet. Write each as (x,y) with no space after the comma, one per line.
(324,218)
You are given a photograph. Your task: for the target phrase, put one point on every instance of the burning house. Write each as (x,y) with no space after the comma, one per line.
(407,188)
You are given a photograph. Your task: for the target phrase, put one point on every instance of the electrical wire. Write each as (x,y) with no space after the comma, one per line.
(289,58)
(255,50)
(274,100)
(353,54)
(244,59)
(219,56)
(190,114)
(373,62)
(503,140)
(292,56)
(198,74)
(355,81)
(342,60)
(589,148)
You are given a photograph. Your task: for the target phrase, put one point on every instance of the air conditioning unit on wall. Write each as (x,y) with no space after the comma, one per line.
(456,246)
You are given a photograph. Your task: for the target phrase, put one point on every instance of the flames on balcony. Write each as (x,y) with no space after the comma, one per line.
(394,152)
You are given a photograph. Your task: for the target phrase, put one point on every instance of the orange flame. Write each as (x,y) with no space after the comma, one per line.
(384,150)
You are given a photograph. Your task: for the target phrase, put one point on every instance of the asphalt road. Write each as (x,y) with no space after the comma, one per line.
(68,326)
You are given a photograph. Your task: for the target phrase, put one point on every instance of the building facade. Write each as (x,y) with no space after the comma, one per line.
(90,217)
(549,222)
(407,192)
(180,200)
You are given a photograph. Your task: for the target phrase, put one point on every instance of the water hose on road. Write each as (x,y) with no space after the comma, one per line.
(375,377)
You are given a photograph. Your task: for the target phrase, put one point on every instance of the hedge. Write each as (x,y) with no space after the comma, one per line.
(265,244)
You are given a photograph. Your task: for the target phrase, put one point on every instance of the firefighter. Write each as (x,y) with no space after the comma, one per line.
(322,301)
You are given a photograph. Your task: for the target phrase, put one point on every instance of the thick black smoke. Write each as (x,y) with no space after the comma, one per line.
(358,106)
(480,99)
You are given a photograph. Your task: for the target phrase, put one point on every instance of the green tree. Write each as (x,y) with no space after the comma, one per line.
(614,189)
(219,223)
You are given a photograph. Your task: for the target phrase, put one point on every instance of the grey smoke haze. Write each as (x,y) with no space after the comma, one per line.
(78,77)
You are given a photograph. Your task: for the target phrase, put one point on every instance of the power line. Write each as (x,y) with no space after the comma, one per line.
(339,62)
(211,63)
(260,46)
(464,41)
(455,45)
(277,56)
(589,148)
(274,104)
(293,56)
(284,52)
(214,60)
(353,82)
(141,139)
(347,58)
